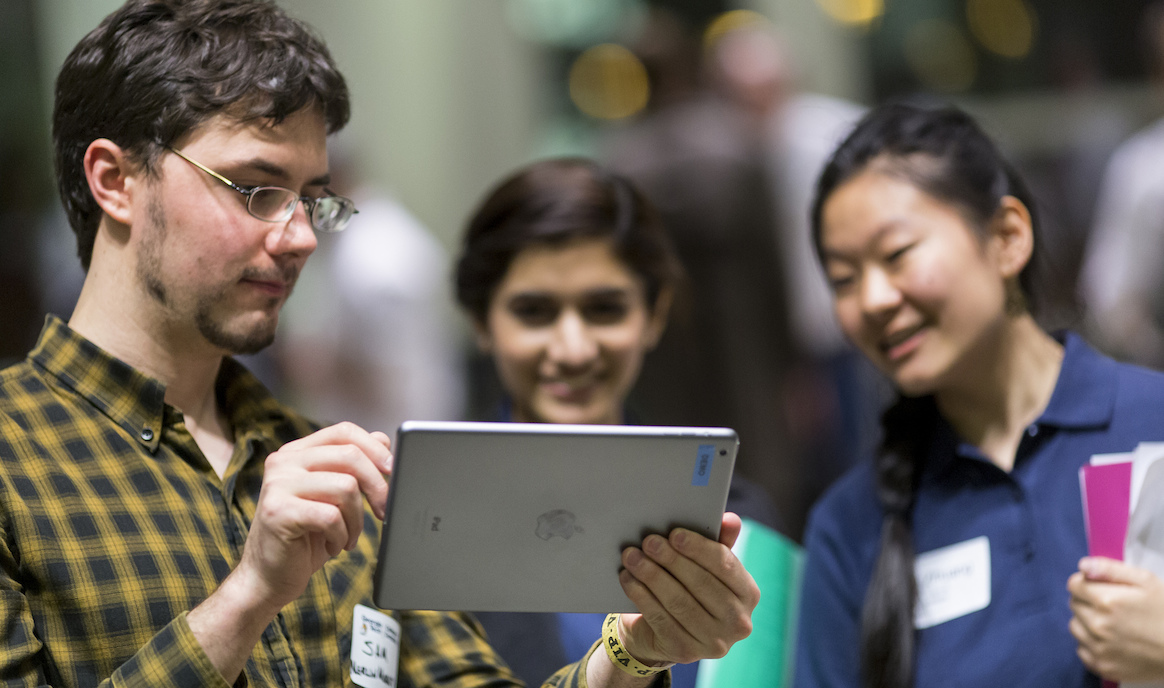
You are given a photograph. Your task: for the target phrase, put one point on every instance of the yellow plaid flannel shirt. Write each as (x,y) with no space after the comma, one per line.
(113,526)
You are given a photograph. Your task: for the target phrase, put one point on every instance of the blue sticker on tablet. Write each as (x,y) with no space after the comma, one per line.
(702,473)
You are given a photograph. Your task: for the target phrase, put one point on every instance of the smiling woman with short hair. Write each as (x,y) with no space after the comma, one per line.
(568,277)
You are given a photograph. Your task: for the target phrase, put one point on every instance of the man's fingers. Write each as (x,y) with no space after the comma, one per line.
(311,506)
(344,459)
(340,490)
(376,446)
(654,622)
(729,529)
(695,596)
(299,503)
(671,577)
(644,600)
(385,440)
(319,524)
(718,560)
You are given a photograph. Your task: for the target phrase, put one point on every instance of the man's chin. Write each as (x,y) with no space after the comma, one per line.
(252,345)
(240,338)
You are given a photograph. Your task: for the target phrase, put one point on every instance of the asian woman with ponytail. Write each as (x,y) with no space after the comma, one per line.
(944,560)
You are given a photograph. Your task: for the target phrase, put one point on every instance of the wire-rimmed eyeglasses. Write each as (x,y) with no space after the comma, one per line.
(329,213)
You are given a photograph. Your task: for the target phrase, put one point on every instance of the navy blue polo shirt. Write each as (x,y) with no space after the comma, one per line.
(1032,518)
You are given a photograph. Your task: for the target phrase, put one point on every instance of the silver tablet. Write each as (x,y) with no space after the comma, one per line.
(534,517)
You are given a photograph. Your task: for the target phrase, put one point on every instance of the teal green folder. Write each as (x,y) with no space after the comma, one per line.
(763,659)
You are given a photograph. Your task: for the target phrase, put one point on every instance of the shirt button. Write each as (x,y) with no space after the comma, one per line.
(147,434)
(1032,430)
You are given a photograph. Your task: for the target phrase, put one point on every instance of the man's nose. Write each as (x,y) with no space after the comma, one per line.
(295,235)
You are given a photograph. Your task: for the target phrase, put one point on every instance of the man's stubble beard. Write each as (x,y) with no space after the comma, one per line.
(149,273)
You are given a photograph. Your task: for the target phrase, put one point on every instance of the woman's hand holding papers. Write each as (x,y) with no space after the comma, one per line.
(1119,619)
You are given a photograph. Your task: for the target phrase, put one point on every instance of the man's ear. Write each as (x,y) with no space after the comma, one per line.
(112,179)
(659,314)
(1012,236)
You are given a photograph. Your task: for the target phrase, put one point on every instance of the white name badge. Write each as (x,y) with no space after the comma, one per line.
(952,581)
(375,648)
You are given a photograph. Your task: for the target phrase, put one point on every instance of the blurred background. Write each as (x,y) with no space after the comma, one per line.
(723,111)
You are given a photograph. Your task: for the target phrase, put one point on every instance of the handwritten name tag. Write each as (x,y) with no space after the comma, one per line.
(952,581)
(375,648)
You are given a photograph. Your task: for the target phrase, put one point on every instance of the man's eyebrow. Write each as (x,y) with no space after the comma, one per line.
(268,167)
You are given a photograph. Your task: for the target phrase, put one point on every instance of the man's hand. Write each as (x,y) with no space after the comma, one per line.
(694,595)
(311,508)
(1119,619)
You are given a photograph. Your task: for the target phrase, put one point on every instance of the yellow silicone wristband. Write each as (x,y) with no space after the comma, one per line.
(618,654)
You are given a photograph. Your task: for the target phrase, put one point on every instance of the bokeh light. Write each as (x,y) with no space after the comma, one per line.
(609,82)
(855,12)
(732,21)
(1004,27)
(571,23)
(941,56)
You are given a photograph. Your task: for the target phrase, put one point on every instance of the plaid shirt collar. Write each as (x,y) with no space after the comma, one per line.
(136,401)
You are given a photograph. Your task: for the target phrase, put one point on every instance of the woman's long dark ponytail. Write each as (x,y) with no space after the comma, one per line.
(887,634)
(945,154)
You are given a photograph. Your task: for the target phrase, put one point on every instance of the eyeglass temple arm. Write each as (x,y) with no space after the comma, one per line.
(207,170)
(234,186)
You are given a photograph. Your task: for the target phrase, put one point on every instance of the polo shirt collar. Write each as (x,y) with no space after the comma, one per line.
(1085,393)
(1083,398)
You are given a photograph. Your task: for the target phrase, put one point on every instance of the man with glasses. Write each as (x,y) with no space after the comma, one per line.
(327,214)
(163,520)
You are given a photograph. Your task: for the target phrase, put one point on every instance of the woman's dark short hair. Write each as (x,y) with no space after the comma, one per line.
(554,202)
(156,69)
(941,151)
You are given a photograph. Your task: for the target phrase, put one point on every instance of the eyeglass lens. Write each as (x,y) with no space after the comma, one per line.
(331,213)
(271,203)
(328,213)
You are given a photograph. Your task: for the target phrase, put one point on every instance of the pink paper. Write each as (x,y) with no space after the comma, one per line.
(1107,490)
